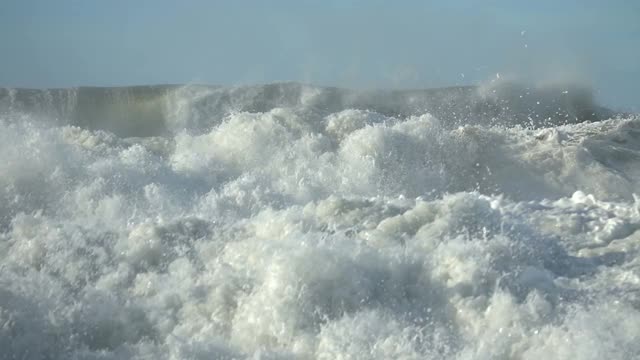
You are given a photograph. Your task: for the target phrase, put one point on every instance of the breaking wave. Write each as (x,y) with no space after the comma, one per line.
(288,221)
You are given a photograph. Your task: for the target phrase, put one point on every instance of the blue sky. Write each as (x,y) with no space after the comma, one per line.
(349,43)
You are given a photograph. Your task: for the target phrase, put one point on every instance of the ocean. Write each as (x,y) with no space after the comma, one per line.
(293,221)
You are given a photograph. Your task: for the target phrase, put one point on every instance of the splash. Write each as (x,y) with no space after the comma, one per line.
(288,221)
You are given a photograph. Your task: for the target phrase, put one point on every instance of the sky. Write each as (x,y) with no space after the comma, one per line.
(349,43)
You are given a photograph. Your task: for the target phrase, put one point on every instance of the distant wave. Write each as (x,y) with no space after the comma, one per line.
(156,109)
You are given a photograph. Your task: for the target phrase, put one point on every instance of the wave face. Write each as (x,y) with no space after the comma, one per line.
(287,221)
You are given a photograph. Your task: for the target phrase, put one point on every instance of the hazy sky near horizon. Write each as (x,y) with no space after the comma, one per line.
(346,43)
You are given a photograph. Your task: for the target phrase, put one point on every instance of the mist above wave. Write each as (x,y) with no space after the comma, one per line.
(156,110)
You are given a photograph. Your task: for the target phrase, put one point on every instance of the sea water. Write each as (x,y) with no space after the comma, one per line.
(297,222)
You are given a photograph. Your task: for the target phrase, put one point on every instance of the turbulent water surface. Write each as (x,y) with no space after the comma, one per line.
(288,221)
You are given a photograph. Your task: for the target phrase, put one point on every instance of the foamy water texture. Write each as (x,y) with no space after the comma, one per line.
(297,231)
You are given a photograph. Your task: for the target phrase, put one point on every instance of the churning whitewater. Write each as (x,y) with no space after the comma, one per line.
(289,221)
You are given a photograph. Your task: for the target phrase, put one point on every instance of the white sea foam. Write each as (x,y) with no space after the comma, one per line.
(292,233)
